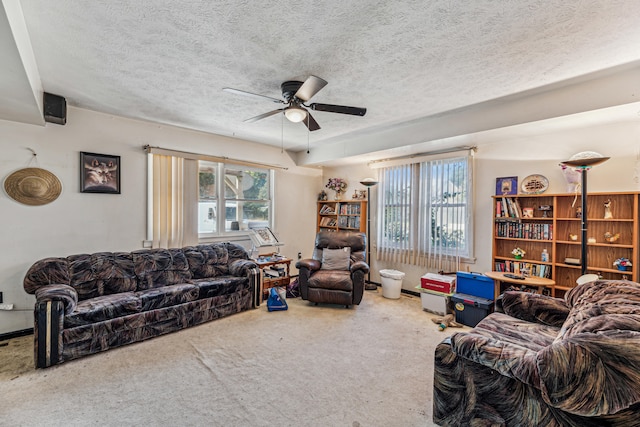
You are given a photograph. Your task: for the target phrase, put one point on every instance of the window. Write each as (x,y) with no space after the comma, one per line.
(195,196)
(207,198)
(425,213)
(246,197)
(243,196)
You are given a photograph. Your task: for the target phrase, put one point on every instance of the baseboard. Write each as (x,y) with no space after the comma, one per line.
(16,334)
(414,293)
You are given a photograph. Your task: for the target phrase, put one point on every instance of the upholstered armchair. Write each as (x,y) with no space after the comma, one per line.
(335,273)
(546,362)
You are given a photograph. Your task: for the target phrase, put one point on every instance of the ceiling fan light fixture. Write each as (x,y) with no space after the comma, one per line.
(295,114)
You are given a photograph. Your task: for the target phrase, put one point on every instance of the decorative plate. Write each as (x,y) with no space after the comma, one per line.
(535,184)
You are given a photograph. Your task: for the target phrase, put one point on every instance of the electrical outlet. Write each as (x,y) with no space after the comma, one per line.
(147,243)
(6,306)
(299,257)
(0,297)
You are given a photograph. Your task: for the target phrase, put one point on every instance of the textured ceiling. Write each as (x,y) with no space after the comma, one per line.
(167,61)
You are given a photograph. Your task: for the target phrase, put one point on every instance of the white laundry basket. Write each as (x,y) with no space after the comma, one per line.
(391,283)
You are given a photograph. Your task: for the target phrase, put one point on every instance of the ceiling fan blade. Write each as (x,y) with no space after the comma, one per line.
(311,123)
(342,109)
(253,95)
(310,87)
(263,116)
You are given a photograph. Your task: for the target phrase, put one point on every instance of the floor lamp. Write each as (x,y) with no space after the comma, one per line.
(584,161)
(369,182)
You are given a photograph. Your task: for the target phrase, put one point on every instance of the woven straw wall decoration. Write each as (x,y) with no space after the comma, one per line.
(33,186)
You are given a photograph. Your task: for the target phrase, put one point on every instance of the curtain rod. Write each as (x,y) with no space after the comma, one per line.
(473,148)
(196,156)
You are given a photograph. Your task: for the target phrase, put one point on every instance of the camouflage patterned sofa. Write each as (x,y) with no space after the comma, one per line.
(93,302)
(546,362)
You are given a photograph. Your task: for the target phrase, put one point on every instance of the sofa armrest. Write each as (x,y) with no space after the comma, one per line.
(509,359)
(63,293)
(535,308)
(241,267)
(309,264)
(359,265)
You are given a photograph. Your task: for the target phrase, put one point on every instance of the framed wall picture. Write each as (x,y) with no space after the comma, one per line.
(507,186)
(99,173)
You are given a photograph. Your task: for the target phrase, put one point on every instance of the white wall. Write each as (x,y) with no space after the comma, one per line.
(521,157)
(85,223)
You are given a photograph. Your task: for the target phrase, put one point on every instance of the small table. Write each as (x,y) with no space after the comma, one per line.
(532,281)
(267,282)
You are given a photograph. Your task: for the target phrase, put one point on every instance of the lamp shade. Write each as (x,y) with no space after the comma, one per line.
(585,159)
(368,182)
(295,114)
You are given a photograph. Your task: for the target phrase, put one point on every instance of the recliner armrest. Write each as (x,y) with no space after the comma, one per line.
(359,265)
(64,293)
(535,308)
(309,264)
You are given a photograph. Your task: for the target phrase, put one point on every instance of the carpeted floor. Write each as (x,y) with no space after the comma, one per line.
(371,365)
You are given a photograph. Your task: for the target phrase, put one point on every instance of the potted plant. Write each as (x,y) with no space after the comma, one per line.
(622,264)
(518,253)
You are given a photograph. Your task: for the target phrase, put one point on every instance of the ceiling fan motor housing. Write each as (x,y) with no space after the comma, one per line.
(289,89)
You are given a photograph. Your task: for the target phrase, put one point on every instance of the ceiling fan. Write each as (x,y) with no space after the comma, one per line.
(295,94)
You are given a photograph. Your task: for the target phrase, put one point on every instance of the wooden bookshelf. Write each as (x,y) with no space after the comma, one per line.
(342,215)
(558,230)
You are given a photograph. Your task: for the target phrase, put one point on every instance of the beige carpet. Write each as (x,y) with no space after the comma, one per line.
(371,365)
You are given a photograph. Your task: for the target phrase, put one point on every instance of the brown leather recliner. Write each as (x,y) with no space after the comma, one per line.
(336,272)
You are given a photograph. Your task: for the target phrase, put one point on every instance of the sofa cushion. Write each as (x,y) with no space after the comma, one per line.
(603,305)
(533,336)
(103,308)
(206,261)
(223,285)
(103,273)
(160,267)
(331,279)
(167,296)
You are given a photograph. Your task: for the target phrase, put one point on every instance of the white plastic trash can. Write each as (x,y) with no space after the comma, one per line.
(391,283)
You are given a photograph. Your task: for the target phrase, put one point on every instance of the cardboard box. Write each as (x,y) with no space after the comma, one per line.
(438,283)
(435,302)
(474,284)
(471,309)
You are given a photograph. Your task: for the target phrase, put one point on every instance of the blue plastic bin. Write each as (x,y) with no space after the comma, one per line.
(474,284)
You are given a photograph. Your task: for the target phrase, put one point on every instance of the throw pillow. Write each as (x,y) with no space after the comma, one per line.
(336,259)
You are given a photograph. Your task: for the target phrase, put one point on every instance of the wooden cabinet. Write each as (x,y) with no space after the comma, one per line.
(342,215)
(557,228)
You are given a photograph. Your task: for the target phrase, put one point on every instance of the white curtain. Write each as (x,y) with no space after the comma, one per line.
(424,213)
(174,201)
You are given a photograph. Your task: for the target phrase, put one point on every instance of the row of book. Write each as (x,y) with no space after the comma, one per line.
(327,221)
(327,210)
(349,221)
(538,270)
(526,230)
(350,209)
(508,207)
